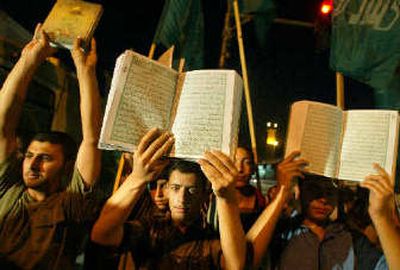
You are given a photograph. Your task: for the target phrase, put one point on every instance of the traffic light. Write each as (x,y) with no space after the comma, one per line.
(326,7)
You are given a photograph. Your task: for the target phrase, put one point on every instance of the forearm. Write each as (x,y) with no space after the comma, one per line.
(261,232)
(232,236)
(89,156)
(12,97)
(108,229)
(389,236)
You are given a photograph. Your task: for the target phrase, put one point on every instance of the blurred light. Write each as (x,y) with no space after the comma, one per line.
(326,7)
(271,134)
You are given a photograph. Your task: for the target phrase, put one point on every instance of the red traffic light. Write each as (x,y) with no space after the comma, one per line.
(326,7)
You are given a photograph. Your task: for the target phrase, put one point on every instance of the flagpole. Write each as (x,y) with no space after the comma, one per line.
(226,35)
(339,90)
(245,79)
(152,50)
(117,180)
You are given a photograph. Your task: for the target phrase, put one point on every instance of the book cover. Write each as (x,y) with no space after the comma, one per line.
(69,19)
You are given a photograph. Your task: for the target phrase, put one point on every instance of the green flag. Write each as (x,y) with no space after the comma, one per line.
(366,46)
(182,24)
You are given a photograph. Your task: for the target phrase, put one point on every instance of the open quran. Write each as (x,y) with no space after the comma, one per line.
(200,107)
(343,144)
(69,19)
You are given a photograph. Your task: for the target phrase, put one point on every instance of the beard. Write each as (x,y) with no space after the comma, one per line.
(34,180)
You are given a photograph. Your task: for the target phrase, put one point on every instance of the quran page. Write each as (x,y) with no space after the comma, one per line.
(208,112)
(141,97)
(69,19)
(315,130)
(369,136)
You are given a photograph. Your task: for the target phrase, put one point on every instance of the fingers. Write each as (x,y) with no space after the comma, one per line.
(147,139)
(159,148)
(220,171)
(221,162)
(209,170)
(154,145)
(373,185)
(36,34)
(381,171)
(93,47)
(77,44)
(378,183)
(291,157)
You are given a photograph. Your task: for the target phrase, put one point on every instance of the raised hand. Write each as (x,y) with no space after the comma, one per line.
(38,49)
(84,60)
(147,159)
(381,196)
(221,172)
(290,168)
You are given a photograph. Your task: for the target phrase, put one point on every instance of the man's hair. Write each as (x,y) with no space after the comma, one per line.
(185,166)
(68,145)
(314,187)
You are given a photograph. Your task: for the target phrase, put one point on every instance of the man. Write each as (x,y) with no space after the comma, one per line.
(177,242)
(311,240)
(39,219)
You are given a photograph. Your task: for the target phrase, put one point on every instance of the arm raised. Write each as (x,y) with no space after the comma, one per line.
(260,234)
(14,90)
(89,156)
(222,173)
(147,164)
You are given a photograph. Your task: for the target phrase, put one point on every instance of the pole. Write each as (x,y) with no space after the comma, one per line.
(152,50)
(339,90)
(226,35)
(117,180)
(245,79)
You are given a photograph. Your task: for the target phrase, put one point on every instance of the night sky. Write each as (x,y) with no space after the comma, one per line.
(293,63)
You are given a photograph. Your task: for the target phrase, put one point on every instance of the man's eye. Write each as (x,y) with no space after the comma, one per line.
(174,188)
(46,158)
(28,155)
(193,190)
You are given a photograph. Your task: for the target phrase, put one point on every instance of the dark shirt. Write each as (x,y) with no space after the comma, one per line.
(297,247)
(156,243)
(41,235)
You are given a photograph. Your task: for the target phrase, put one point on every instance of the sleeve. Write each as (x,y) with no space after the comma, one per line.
(10,173)
(81,204)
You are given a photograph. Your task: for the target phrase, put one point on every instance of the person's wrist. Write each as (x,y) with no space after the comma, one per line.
(29,64)
(380,216)
(137,181)
(226,194)
(85,71)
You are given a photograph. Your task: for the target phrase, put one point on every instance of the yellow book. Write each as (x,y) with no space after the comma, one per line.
(69,19)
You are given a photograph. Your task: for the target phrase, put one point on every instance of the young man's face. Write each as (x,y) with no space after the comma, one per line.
(158,194)
(319,210)
(244,165)
(43,166)
(185,197)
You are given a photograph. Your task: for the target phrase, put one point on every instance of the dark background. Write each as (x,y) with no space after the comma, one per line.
(292,64)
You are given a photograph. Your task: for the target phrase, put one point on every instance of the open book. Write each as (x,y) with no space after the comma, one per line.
(201,107)
(343,144)
(69,19)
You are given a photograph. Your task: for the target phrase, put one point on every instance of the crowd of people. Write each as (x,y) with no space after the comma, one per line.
(173,213)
